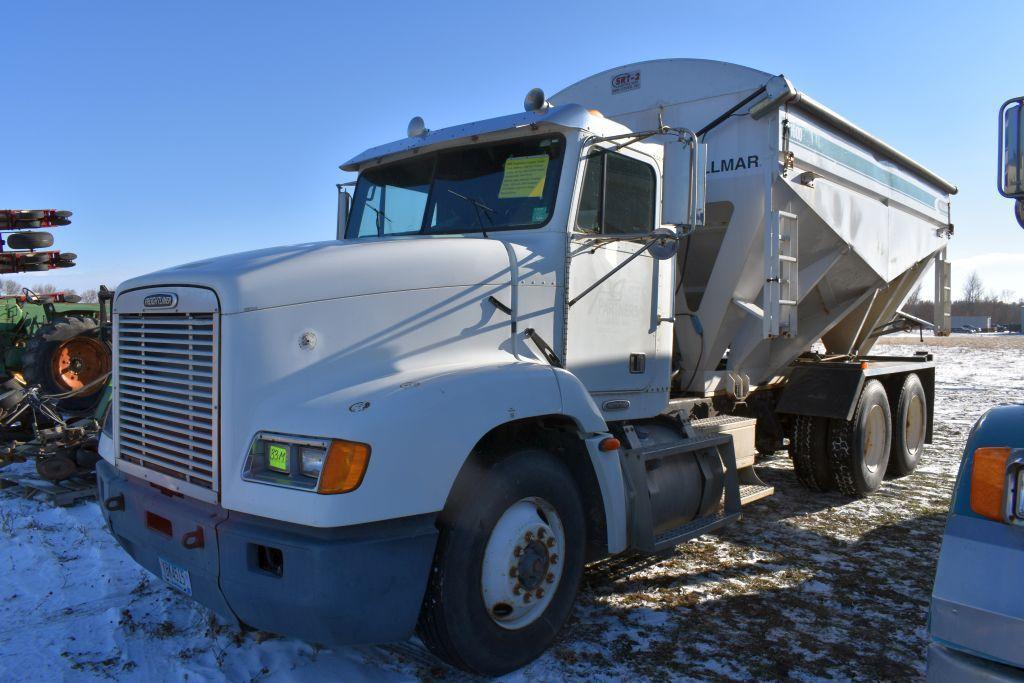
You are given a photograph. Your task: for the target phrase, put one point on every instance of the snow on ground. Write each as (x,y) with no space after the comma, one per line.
(806,586)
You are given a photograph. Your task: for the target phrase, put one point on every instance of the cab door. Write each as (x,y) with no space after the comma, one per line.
(614,329)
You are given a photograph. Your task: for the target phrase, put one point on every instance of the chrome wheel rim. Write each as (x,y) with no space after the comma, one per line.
(522,563)
(874,438)
(915,426)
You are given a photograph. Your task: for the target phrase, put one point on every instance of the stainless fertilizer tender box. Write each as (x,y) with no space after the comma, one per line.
(814,228)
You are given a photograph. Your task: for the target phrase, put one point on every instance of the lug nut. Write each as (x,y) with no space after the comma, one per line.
(517,589)
(553,558)
(539,593)
(551,543)
(550,577)
(540,533)
(526,597)
(529,536)
(518,551)
(513,572)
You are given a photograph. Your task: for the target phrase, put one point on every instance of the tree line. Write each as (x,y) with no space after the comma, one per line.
(975,299)
(15,288)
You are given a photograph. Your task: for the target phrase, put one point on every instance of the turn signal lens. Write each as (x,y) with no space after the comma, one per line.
(344,467)
(610,444)
(988,482)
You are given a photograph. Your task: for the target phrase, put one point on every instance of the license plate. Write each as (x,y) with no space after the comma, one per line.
(176,576)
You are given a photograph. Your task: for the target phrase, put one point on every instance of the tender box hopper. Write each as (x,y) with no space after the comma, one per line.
(815,229)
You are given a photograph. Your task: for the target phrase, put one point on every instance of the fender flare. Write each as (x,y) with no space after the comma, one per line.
(607,465)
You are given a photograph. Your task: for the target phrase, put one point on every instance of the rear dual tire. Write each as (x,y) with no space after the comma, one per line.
(854,456)
(809,451)
(910,427)
(859,448)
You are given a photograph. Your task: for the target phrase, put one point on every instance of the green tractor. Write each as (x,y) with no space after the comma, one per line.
(55,356)
(54,341)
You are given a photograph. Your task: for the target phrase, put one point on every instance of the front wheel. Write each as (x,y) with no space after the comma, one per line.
(507,566)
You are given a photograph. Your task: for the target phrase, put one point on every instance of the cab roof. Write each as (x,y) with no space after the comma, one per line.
(570,116)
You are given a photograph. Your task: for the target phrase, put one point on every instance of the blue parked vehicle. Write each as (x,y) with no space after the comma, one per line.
(977,612)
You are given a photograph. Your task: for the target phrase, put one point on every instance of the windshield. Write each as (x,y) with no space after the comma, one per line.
(499,186)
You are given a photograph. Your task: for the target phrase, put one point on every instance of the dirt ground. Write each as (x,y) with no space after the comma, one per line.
(806,586)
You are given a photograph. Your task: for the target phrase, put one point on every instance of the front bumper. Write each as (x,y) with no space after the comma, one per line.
(946,664)
(977,604)
(361,584)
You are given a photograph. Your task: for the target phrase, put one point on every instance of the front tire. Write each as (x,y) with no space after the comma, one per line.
(860,447)
(507,566)
(910,427)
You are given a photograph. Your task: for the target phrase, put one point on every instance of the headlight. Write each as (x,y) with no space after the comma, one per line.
(1020,493)
(321,465)
(311,461)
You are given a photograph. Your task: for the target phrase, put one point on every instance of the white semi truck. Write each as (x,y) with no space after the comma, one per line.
(539,340)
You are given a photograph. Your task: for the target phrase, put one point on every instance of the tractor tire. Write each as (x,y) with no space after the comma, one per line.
(507,564)
(860,447)
(35,258)
(909,427)
(33,267)
(56,468)
(30,240)
(809,451)
(68,355)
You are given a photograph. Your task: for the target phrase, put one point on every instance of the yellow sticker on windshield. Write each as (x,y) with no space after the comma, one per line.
(524,177)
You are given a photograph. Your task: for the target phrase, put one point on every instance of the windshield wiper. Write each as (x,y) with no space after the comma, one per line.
(380,215)
(477,205)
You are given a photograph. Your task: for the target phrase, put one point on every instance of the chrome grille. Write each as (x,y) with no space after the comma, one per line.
(167,397)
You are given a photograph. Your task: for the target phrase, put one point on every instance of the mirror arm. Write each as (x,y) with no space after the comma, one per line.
(611,272)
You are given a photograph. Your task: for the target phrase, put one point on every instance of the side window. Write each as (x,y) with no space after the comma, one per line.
(618,195)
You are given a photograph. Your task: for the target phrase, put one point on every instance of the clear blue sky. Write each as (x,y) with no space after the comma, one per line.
(177,131)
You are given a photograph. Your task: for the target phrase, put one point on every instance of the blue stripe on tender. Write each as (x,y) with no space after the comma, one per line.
(815,142)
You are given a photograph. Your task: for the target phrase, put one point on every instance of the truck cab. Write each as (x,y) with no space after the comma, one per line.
(539,340)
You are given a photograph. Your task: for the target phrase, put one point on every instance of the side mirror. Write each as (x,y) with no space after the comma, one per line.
(1010,173)
(685,181)
(344,204)
(1011,153)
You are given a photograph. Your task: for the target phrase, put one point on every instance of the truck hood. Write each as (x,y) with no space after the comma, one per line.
(318,271)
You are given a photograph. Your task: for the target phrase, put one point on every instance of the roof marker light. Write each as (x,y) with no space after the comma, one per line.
(417,128)
(535,101)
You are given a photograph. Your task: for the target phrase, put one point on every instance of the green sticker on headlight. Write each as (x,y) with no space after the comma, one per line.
(277,457)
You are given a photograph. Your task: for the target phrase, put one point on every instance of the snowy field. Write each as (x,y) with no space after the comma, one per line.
(806,586)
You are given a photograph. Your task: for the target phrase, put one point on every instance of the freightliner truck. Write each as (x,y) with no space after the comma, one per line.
(539,340)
